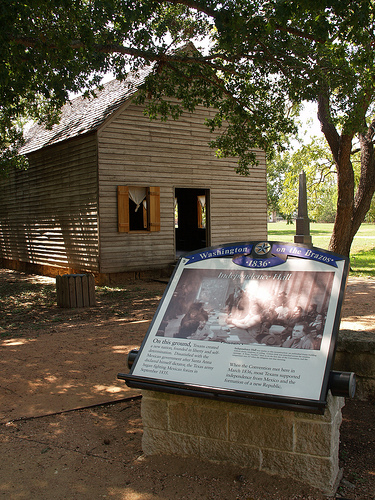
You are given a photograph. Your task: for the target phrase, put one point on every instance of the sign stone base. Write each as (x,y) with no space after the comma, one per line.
(279,442)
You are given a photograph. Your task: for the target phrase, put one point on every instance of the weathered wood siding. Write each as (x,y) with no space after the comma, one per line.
(48,213)
(136,152)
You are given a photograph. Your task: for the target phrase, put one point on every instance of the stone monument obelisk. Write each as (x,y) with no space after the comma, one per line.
(302,222)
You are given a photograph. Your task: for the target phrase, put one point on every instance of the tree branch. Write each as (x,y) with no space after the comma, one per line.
(366,186)
(193,5)
(327,127)
(215,14)
(299,33)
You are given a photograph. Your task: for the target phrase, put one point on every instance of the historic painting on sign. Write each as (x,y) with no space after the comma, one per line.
(280,309)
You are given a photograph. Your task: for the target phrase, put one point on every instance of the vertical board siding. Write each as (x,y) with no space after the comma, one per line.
(134,151)
(49,213)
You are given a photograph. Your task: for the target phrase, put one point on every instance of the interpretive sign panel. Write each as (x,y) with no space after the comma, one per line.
(252,322)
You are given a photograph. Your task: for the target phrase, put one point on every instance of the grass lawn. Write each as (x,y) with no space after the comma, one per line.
(362,255)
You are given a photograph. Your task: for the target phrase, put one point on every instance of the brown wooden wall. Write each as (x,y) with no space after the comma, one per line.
(48,214)
(136,152)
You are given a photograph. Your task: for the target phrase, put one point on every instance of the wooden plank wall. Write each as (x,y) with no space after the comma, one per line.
(48,214)
(134,151)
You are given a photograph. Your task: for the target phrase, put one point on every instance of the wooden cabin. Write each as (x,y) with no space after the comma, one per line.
(109,191)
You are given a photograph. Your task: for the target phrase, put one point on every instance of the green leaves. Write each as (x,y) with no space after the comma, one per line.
(260,57)
(316,161)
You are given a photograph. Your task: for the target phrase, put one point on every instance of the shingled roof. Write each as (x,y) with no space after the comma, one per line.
(85,114)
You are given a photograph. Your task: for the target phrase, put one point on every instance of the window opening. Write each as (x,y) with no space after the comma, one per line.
(138,208)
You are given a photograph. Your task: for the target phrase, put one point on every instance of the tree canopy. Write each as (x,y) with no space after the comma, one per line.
(315,159)
(264,58)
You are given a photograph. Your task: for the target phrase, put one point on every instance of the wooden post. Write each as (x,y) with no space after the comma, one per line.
(75,290)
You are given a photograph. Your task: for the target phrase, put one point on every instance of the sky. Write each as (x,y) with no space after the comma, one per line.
(310,120)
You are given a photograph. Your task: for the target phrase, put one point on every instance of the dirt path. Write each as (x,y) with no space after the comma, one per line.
(96,452)
(358,312)
(66,369)
(74,363)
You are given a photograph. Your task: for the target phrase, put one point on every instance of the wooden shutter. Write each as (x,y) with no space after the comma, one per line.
(153,203)
(123,209)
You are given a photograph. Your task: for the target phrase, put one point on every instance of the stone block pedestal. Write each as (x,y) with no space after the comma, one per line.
(302,446)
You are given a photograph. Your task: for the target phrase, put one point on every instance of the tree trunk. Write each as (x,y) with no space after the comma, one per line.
(351,207)
(366,186)
(352,210)
(341,147)
(342,235)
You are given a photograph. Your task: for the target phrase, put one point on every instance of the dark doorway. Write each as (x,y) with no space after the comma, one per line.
(191,219)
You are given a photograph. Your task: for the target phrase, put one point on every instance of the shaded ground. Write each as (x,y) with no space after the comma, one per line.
(56,360)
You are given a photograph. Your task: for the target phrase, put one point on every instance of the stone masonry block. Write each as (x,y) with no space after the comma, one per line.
(245,456)
(361,363)
(319,472)
(158,442)
(215,450)
(181,399)
(198,420)
(333,407)
(156,395)
(315,438)
(365,388)
(357,355)
(265,410)
(260,430)
(298,445)
(154,413)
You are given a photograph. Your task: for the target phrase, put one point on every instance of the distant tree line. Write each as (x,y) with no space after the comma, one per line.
(315,159)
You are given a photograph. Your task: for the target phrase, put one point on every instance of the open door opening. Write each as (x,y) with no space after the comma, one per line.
(191,219)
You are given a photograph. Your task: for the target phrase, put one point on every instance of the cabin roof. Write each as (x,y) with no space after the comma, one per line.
(85,114)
